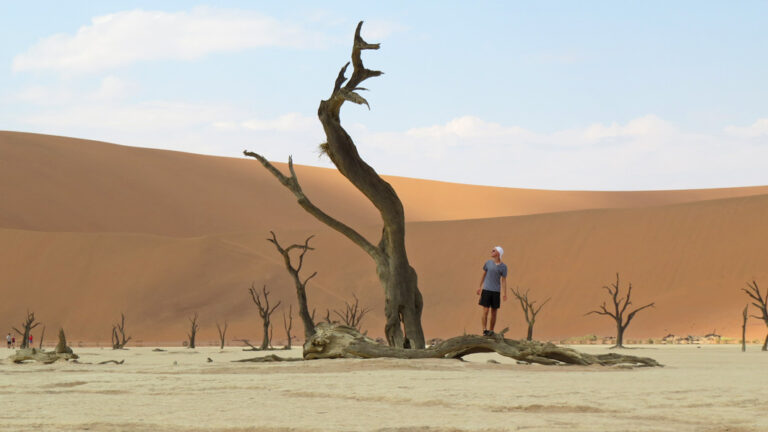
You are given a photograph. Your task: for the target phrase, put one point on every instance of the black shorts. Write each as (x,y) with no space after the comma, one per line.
(491,299)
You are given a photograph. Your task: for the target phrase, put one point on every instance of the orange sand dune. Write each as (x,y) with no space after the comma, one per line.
(89,229)
(53,183)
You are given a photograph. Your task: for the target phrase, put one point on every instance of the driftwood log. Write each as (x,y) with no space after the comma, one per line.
(340,341)
(61,352)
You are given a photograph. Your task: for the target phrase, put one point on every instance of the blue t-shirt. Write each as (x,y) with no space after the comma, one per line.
(493,275)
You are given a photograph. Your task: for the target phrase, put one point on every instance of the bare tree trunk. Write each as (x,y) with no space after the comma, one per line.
(619,336)
(42,335)
(620,305)
(761,303)
(340,341)
(265,311)
(744,329)
(403,300)
(222,333)
(28,324)
(118,334)
(193,328)
(529,309)
(288,325)
(301,286)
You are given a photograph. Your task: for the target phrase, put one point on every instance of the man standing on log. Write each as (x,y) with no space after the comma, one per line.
(494,278)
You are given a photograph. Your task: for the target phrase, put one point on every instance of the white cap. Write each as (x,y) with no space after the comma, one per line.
(499,250)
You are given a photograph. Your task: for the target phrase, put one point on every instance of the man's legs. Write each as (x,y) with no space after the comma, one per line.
(493,318)
(484,319)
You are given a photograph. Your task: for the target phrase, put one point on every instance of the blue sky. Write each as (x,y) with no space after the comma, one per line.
(553,95)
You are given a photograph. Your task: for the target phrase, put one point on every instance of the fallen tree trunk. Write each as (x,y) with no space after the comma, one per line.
(340,341)
(61,352)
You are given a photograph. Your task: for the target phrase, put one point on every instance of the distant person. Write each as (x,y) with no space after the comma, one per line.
(8,338)
(30,341)
(13,342)
(494,278)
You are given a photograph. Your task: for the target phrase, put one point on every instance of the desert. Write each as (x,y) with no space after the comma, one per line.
(712,388)
(497,216)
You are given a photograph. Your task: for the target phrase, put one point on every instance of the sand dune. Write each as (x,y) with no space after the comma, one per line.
(89,230)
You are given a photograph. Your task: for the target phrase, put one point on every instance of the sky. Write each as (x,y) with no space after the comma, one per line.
(595,95)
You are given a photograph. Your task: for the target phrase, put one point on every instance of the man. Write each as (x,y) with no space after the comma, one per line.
(494,278)
(8,338)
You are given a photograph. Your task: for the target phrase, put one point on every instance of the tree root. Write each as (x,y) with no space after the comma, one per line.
(340,341)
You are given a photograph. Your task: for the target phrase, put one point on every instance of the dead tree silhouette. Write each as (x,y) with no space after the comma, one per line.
(529,309)
(265,312)
(620,305)
(28,324)
(118,334)
(403,300)
(761,303)
(301,285)
(193,328)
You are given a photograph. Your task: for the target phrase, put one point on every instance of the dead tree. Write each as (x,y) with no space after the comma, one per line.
(529,308)
(42,335)
(265,311)
(301,286)
(193,328)
(620,305)
(61,352)
(118,334)
(761,303)
(744,328)
(403,300)
(340,341)
(288,325)
(222,333)
(353,314)
(27,325)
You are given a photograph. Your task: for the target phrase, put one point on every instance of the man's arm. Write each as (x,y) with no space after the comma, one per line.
(482,279)
(504,285)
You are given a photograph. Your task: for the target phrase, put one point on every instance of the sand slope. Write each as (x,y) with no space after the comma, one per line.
(89,229)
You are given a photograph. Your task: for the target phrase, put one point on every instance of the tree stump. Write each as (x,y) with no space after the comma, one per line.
(340,341)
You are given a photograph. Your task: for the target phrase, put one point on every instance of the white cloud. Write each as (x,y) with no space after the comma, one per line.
(643,153)
(284,123)
(127,37)
(756,129)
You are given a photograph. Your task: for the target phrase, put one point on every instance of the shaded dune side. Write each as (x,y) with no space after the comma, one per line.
(691,259)
(50,183)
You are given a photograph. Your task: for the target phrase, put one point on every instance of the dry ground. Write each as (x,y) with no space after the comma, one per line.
(707,388)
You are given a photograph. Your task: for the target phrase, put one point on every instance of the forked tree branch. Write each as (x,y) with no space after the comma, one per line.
(292,184)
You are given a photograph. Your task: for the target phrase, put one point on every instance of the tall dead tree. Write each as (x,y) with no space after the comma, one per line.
(42,335)
(28,324)
(620,305)
(222,333)
(119,340)
(529,308)
(288,325)
(353,314)
(403,300)
(265,311)
(193,328)
(744,328)
(301,286)
(761,303)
